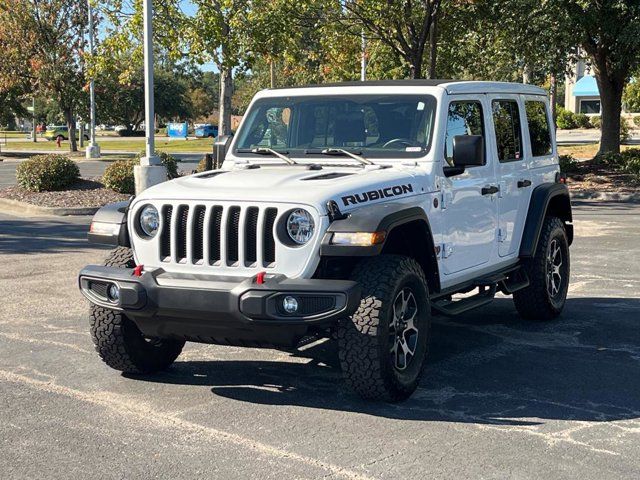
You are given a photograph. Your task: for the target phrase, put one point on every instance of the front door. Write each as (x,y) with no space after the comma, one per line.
(511,168)
(470,211)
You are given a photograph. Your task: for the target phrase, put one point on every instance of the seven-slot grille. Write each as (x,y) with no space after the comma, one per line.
(232,236)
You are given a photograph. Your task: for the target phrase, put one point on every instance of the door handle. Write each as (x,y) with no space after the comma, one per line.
(490,190)
(524,183)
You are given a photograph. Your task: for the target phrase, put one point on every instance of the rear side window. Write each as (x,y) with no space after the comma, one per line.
(539,130)
(506,120)
(464,118)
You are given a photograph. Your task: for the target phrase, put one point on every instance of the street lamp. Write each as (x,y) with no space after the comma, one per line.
(93,150)
(150,171)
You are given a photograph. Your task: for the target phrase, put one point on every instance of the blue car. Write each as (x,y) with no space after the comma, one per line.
(206,130)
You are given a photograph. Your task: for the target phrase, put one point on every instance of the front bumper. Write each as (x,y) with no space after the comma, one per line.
(218,309)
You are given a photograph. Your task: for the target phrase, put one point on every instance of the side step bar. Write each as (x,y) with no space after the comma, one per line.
(450,308)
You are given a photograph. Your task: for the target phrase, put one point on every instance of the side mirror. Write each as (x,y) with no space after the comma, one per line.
(468,150)
(220,147)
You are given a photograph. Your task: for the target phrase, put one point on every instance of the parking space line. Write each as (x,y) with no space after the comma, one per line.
(173,421)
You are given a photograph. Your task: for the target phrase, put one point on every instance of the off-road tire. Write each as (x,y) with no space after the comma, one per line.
(118,340)
(364,339)
(535,302)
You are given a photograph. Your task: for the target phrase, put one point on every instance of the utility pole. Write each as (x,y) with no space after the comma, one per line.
(93,150)
(150,171)
(363,58)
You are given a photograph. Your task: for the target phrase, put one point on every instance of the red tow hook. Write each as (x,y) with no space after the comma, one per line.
(260,277)
(137,272)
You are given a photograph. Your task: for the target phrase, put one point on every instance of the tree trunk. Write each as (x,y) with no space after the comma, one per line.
(433,47)
(416,66)
(71,128)
(226,92)
(553,97)
(272,74)
(611,108)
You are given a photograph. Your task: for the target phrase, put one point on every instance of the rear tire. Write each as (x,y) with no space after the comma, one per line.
(383,346)
(117,339)
(548,273)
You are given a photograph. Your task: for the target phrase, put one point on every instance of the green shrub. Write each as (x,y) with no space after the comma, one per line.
(119,175)
(566,119)
(596,121)
(636,120)
(631,162)
(568,163)
(582,121)
(609,158)
(45,173)
(625,133)
(169,161)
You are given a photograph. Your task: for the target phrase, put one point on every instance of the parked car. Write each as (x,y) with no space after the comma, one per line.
(355,212)
(62,132)
(206,130)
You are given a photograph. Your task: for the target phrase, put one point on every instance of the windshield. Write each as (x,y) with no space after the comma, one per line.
(373,125)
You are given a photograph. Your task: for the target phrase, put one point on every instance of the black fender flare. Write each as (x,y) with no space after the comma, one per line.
(109,225)
(383,217)
(546,198)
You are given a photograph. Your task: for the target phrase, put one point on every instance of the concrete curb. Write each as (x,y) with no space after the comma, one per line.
(607,197)
(23,208)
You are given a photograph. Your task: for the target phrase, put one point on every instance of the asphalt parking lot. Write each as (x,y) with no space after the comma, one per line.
(501,398)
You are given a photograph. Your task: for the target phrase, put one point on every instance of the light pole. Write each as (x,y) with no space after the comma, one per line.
(93,150)
(363,57)
(150,171)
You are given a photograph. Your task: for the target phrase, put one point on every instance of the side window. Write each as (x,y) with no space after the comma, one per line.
(506,120)
(464,118)
(539,130)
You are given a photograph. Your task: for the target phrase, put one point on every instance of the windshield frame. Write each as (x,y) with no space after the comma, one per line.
(313,153)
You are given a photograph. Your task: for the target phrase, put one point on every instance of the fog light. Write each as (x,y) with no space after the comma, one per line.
(290,304)
(114,292)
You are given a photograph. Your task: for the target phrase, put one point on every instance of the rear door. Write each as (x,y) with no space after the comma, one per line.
(507,146)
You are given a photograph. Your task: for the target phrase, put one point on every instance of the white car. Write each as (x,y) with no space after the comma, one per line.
(354,211)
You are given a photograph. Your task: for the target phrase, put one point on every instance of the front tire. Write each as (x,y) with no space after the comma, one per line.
(383,346)
(117,339)
(548,273)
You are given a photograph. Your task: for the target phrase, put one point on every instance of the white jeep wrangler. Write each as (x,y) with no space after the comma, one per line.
(354,210)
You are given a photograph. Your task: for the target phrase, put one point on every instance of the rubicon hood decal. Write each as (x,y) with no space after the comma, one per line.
(370,195)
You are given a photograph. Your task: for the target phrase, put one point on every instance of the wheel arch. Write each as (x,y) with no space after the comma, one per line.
(113,217)
(408,232)
(546,199)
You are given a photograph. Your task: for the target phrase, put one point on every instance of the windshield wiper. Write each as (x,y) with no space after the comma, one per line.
(342,151)
(271,151)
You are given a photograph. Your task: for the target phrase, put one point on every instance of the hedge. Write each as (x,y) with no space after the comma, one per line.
(45,173)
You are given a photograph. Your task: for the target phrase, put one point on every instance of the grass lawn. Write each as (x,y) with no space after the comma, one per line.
(204,145)
(585,151)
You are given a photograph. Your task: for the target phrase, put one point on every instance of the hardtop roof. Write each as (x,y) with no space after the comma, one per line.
(452,87)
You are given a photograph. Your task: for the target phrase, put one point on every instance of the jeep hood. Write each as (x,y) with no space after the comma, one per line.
(349,187)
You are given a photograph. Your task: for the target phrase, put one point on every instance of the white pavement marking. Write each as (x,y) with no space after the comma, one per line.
(168,420)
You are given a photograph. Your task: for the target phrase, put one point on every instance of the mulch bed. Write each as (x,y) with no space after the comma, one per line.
(86,193)
(591,177)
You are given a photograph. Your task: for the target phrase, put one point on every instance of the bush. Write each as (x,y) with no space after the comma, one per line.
(625,133)
(596,122)
(609,158)
(131,133)
(566,119)
(568,163)
(119,175)
(582,121)
(636,120)
(169,161)
(45,173)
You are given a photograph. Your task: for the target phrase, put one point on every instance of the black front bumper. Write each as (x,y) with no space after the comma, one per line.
(215,309)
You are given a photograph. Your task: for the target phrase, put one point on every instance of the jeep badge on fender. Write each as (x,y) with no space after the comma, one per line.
(354,212)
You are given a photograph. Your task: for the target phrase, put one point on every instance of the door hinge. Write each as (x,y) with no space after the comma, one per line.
(447,250)
(502,235)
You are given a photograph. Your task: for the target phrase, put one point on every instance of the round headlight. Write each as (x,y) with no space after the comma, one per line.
(149,220)
(300,226)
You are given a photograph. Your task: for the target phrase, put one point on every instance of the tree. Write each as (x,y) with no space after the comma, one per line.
(403,25)
(45,43)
